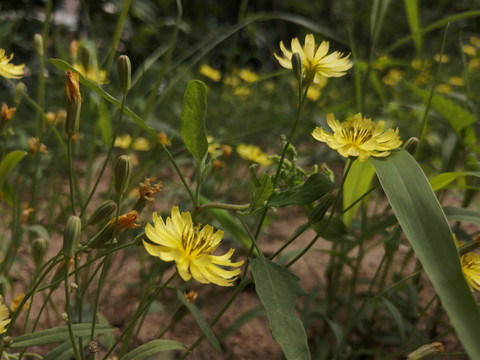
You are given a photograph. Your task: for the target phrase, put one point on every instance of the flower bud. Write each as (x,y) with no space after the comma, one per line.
(18,94)
(411,145)
(319,211)
(297,66)
(103,212)
(425,351)
(38,43)
(7,341)
(74,103)
(72,232)
(123,171)
(124,68)
(39,250)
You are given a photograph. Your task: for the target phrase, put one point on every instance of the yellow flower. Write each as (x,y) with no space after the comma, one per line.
(177,239)
(471,269)
(8,70)
(358,137)
(456,81)
(92,73)
(124,141)
(209,72)
(247,75)
(444,58)
(253,153)
(444,89)
(4,320)
(18,299)
(392,78)
(315,61)
(7,113)
(469,50)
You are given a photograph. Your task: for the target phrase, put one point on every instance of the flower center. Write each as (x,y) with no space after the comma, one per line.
(196,241)
(357,132)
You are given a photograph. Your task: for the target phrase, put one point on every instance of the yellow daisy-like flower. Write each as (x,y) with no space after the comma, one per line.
(253,153)
(471,269)
(315,61)
(358,137)
(177,239)
(92,73)
(4,314)
(8,70)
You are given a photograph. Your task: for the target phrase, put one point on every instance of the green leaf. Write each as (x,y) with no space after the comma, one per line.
(278,290)
(40,231)
(463,215)
(411,7)
(8,163)
(64,351)
(397,316)
(261,193)
(457,116)
(425,225)
(313,189)
(194,111)
(441,180)
(201,321)
(57,334)
(153,347)
(243,319)
(356,184)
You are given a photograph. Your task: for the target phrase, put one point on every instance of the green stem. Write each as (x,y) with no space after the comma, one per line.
(69,313)
(70,174)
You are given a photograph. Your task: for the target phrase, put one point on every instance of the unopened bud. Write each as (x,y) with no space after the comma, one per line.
(19,93)
(73,228)
(7,341)
(425,351)
(123,170)
(74,103)
(39,250)
(319,211)
(103,212)
(411,145)
(38,43)
(297,66)
(124,68)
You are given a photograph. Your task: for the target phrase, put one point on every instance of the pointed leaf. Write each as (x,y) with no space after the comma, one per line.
(57,334)
(425,225)
(463,215)
(201,321)
(313,189)
(441,180)
(153,347)
(194,111)
(8,163)
(278,290)
(262,192)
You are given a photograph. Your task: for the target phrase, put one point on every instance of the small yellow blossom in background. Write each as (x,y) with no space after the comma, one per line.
(214,148)
(191,296)
(8,70)
(475,40)
(248,75)
(124,142)
(7,112)
(4,314)
(456,81)
(92,73)
(209,72)
(315,61)
(147,190)
(35,146)
(471,269)
(243,91)
(253,153)
(26,211)
(469,50)
(315,90)
(392,78)
(444,58)
(190,246)
(358,137)
(474,64)
(18,299)
(444,89)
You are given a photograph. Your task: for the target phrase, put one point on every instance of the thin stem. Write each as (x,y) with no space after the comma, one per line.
(70,174)
(69,313)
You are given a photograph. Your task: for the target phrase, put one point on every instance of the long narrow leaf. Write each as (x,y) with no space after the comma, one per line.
(425,225)
(8,163)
